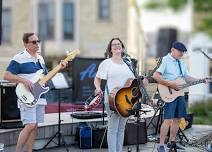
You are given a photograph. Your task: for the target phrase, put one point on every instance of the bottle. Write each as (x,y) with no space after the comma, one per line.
(129,149)
(1,147)
(209,148)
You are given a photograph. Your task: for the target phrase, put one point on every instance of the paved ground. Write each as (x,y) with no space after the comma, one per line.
(194,133)
(149,147)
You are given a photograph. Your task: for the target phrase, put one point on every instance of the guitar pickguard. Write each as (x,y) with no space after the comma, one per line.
(39,90)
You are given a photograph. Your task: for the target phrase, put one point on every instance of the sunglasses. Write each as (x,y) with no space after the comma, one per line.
(34,42)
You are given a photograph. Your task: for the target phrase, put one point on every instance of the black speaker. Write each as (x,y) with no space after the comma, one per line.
(131,132)
(189,120)
(10,113)
(99,135)
(166,36)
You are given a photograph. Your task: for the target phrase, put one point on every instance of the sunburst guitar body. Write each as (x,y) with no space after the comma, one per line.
(122,99)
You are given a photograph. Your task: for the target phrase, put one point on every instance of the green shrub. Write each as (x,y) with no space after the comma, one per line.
(202,111)
(198,109)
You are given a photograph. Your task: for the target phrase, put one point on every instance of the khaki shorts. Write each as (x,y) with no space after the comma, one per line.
(32,114)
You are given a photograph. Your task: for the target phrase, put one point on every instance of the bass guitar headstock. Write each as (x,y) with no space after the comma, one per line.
(71,55)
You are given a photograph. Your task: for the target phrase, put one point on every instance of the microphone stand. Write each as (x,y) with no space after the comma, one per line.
(205,54)
(136,109)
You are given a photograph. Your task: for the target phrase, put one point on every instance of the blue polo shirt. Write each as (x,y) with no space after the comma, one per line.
(26,66)
(170,69)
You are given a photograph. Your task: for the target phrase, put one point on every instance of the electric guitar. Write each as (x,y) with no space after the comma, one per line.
(122,99)
(168,94)
(30,98)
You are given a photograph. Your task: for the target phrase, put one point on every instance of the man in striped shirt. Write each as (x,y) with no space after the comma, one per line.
(22,69)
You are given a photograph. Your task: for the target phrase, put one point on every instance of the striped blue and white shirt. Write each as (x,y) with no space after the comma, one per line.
(26,66)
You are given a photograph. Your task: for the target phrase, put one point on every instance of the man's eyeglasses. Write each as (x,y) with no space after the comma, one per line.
(34,42)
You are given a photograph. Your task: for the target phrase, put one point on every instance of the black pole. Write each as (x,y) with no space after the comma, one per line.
(59,121)
(103,113)
(137,130)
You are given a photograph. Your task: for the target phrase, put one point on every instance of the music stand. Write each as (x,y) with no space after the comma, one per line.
(59,83)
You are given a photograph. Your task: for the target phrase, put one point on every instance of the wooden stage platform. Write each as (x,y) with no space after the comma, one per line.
(68,127)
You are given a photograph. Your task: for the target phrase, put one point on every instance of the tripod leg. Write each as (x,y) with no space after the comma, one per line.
(182,137)
(50,140)
(159,121)
(150,122)
(64,142)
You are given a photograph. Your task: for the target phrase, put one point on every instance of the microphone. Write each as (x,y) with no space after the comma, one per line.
(126,56)
(125,53)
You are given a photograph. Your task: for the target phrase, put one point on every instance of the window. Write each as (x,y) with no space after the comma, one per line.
(104,9)
(68,21)
(46,22)
(6,25)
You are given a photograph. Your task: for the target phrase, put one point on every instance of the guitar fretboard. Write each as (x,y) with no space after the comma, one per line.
(193,83)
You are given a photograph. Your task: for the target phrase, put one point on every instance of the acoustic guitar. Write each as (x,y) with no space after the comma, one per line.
(122,99)
(168,94)
(30,98)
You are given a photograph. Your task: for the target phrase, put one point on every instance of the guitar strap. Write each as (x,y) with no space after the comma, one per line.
(106,89)
(178,61)
(43,67)
(49,83)
(131,67)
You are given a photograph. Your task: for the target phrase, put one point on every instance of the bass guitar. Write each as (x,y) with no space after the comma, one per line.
(168,94)
(122,99)
(30,98)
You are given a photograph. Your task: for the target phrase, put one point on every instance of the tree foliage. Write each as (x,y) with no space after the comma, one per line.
(202,8)
(174,4)
(202,5)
